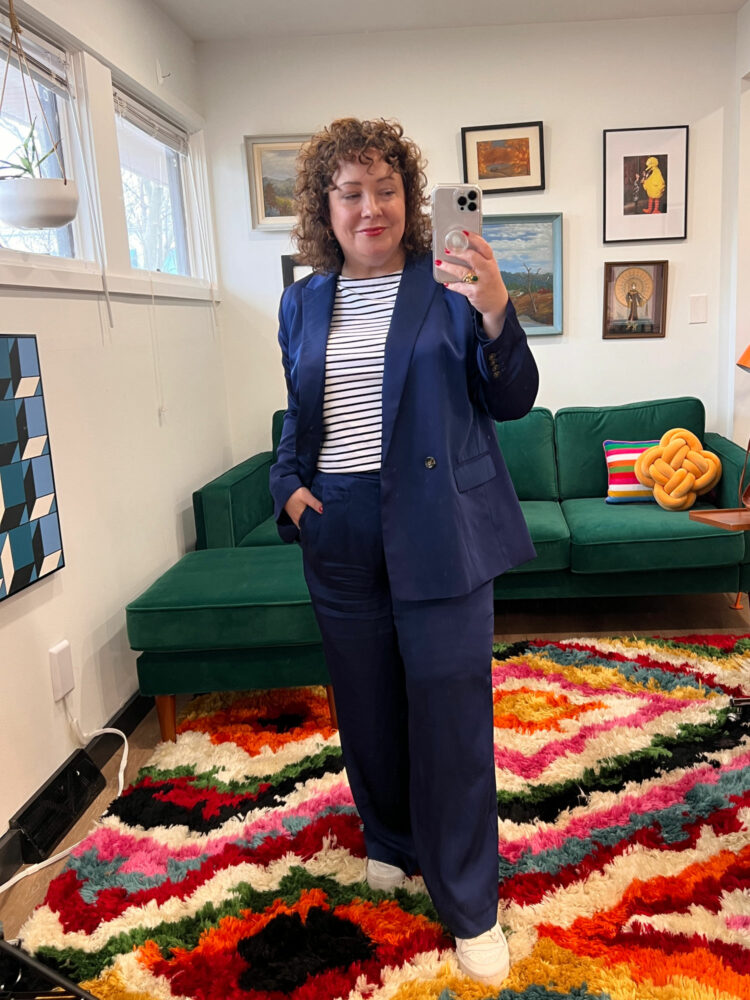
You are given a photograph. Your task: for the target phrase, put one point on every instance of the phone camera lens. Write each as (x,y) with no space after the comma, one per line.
(473,195)
(462,201)
(472,206)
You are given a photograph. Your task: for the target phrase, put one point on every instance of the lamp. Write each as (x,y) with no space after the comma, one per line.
(743,494)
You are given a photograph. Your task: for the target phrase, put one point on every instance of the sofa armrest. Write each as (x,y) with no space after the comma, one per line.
(732,459)
(231,505)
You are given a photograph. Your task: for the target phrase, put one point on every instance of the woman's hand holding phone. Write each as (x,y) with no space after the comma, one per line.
(463,260)
(488,293)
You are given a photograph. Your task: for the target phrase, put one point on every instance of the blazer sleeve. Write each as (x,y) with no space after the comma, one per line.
(509,378)
(284,478)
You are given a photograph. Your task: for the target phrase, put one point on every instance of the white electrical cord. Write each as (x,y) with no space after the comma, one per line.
(83,739)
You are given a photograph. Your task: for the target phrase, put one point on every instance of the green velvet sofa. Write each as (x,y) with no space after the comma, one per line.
(585,547)
(236,614)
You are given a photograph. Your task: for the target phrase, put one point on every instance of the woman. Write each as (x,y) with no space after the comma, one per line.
(390,476)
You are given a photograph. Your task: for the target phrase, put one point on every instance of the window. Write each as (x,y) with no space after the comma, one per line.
(154,167)
(51,125)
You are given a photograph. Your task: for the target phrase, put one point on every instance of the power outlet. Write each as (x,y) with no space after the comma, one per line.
(61,670)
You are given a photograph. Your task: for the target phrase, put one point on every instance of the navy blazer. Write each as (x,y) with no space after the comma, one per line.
(451,518)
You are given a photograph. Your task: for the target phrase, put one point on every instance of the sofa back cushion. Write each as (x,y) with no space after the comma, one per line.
(528,447)
(581,430)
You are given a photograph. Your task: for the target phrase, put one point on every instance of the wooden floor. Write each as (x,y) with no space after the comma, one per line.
(514,620)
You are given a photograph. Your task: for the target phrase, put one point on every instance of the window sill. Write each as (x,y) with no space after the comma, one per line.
(31,272)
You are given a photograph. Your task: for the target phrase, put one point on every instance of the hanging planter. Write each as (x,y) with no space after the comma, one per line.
(28,199)
(37,202)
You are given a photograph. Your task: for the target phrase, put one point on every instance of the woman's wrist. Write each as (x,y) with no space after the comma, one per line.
(493,323)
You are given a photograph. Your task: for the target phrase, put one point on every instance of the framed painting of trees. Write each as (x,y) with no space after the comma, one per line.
(528,250)
(504,157)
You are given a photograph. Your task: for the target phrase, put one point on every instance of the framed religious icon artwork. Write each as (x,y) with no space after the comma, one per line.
(635,300)
(645,184)
(504,157)
(272,173)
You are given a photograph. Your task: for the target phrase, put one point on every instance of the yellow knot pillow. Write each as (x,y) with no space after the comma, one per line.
(678,469)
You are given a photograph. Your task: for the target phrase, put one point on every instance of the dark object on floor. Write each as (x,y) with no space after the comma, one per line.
(25,978)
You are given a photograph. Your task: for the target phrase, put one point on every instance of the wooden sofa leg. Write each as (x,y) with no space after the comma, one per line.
(166,710)
(738,603)
(332,707)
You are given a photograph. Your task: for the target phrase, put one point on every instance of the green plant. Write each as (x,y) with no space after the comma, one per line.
(26,160)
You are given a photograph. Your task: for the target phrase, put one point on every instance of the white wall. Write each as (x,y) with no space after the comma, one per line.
(129,35)
(579,79)
(124,479)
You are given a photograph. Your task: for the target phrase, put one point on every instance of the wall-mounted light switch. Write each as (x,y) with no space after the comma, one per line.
(699,308)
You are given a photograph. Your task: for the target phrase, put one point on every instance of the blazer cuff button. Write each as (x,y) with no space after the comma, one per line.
(429,462)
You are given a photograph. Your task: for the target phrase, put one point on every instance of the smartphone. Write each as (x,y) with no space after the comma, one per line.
(456,209)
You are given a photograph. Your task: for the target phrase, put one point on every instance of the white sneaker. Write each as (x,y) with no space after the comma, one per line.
(384,877)
(484,957)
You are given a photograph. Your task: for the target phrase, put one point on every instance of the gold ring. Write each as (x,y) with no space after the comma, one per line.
(470,277)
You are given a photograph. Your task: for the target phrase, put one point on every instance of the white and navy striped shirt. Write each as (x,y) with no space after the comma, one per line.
(352,400)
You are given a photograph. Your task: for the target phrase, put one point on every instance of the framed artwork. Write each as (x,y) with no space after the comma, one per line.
(272,170)
(504,157)
(291,271)
(645,184)
(30,544)
(528,250)
(635,299)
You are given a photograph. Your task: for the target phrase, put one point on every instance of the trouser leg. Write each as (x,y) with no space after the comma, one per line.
(345,572)
(446,646)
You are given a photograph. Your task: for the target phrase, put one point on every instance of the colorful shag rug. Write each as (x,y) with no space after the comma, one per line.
(232,869)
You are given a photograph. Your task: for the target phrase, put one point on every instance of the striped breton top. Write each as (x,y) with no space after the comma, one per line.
(352,399)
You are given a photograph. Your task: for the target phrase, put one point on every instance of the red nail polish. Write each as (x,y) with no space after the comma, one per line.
(320,510)
(446,250)
(438,262)
(466,232)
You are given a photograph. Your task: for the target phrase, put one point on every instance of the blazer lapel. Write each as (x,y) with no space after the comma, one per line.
(415,294)
(317,307)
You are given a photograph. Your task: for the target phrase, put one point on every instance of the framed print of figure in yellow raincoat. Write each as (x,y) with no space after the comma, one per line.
(645,184)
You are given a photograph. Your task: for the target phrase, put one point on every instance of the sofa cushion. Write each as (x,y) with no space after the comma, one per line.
(550,536)
(623,485)
(266,533)
(528,447)
(630,537)
(226,599)
(580,431)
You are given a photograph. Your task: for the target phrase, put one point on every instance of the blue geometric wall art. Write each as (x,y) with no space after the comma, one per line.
(30,543)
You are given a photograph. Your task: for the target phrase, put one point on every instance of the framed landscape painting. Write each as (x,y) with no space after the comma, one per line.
(528,250)
(504,157)
(272,171)
(645,184)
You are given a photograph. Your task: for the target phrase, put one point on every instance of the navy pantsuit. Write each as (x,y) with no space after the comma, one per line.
(400,567)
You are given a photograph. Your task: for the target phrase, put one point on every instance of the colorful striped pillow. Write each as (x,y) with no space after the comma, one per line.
(623,486)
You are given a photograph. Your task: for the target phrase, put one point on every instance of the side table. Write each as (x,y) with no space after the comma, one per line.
(730,519)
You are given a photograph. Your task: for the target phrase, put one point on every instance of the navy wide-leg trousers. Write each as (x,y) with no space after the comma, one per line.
(413,695)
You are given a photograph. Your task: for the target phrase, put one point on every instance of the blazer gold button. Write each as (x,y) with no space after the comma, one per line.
(429,462)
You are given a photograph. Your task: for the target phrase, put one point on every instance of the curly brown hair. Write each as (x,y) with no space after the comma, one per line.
(343,141)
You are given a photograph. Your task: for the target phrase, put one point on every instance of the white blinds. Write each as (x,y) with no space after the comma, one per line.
(47,62)
(150,122)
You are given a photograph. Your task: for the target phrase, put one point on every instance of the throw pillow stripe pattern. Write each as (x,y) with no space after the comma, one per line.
(623,484)
(232,868)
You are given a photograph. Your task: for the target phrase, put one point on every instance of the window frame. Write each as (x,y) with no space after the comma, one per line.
(101,236)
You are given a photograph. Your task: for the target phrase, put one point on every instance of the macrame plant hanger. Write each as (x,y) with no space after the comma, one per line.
(16,46)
